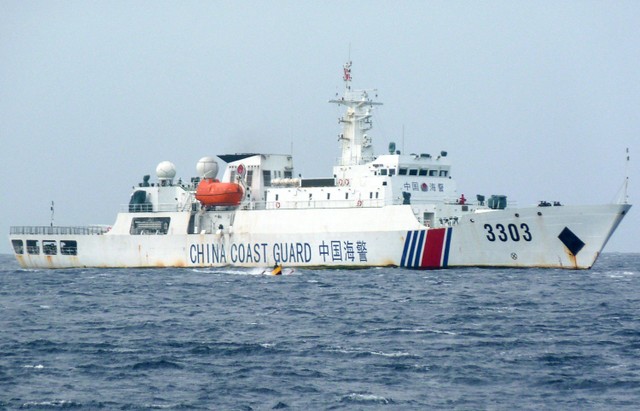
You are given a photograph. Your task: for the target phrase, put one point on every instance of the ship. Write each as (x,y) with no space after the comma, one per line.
(374,210)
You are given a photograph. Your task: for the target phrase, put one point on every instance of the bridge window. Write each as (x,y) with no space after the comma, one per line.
(443,173)
(33,247)
(383,172)
(69,247)
(402,171)
(433,173)
(423,172)
(413,172)
(150,225)
(49,247)
(392,172)
(18,246)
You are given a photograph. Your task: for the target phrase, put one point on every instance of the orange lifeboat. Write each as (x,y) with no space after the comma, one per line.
(212,192)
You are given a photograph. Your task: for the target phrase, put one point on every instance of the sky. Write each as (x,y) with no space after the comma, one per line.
(533,100)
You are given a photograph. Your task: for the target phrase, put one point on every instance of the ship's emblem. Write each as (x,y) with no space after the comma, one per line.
(571,241)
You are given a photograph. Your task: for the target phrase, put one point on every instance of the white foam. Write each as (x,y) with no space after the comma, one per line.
(391,354)
(367,398)
(425,331)
(54,403)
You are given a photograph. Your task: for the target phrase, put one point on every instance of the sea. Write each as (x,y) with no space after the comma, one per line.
(370,339)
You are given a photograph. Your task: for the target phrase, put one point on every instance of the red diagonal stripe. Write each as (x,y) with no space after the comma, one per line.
(433,248)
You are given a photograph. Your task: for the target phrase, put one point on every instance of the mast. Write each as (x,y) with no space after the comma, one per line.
(625,195)
(355,143)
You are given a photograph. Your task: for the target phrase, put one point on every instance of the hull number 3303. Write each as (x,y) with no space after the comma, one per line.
(511,232)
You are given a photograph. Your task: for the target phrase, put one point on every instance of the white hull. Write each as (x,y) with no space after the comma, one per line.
(384,236)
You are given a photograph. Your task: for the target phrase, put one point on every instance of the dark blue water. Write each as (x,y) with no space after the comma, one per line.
(366,339)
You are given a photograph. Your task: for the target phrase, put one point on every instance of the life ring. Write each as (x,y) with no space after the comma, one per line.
(340,182)
(359,203)
(277,204)
(346,181)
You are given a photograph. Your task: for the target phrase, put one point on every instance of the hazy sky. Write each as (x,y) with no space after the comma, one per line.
(536,100)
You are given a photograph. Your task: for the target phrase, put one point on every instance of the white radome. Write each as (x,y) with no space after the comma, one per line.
(207,167)
(166,170)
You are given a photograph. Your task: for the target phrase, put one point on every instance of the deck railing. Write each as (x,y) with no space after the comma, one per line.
(56,230)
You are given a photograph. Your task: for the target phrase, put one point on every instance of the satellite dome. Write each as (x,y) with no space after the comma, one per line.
(207,167)
(166,170)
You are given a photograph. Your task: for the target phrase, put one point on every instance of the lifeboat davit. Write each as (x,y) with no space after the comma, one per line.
(212,192)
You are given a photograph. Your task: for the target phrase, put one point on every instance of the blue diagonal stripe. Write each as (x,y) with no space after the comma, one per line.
(403,260)
(445,258)
(420,247)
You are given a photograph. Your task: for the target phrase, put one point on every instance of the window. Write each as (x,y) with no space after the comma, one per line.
(413,172)
(266,176)
(149,225)
(377,194)
(277,196)
(69,247)
(18,246)
(328,196)
(346,196)
(443,173)
(402,172)
(49,247)
(288,174)
(423,172)
(232,175)
(392,171)
(383,172)
(370,194)
(33,247)
(433,173)
(249,178)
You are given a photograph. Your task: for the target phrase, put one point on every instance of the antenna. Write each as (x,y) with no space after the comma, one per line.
(52,213)
(625,195)
(291,146)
